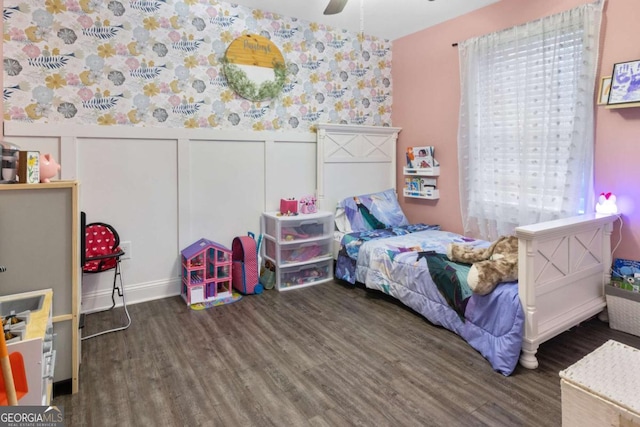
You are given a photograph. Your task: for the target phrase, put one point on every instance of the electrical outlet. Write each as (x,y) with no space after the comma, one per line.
(126,247)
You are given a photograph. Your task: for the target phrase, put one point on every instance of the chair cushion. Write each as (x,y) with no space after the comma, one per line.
(100,241)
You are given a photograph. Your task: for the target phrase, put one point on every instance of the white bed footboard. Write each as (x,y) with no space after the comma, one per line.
(563,266)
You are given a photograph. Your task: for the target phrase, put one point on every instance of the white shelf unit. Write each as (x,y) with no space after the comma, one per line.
(28,214)
(300,247)
(36,347)
(419,192)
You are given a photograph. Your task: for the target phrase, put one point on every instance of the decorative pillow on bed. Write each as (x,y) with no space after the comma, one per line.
(369,212)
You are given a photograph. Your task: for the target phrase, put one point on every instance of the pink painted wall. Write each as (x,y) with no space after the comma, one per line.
(426,95)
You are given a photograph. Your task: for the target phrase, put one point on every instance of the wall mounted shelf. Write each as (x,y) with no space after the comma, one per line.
(420,183)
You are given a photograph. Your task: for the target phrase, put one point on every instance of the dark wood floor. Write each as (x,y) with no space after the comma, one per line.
(329,355)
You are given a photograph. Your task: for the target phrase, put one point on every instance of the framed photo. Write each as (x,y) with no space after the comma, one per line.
(603,91)
(625,83)
(29,167)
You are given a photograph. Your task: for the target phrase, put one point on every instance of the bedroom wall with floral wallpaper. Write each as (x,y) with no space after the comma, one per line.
(157,63)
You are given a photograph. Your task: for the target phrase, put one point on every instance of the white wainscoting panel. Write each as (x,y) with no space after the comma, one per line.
(131,184)
(227,190)
(165,188)
(291,173)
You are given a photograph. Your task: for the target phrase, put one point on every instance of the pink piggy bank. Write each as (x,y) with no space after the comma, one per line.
(48,167)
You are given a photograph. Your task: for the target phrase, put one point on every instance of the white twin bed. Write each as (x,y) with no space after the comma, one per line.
(563,264)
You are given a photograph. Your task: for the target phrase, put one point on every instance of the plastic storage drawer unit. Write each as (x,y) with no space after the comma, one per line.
(304,275)
(300,227)
(300,247)
(297,252)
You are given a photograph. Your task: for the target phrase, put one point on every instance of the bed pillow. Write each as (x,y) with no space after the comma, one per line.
(342,223)
(369,212)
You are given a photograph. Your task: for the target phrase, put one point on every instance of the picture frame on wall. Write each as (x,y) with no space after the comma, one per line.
(625,83)
(604,90)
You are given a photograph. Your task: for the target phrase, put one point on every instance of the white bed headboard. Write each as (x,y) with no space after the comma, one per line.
(354,160)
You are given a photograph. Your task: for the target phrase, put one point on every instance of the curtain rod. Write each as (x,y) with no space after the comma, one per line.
(454,45)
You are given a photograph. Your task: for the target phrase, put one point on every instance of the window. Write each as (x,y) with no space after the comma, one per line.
(525,141)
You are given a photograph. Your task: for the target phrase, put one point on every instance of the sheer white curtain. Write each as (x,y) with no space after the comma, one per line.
(526,137)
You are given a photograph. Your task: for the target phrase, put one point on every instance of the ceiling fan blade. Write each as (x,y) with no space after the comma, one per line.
(335,6)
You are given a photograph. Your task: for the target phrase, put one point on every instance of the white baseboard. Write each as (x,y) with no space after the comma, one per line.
(134,294)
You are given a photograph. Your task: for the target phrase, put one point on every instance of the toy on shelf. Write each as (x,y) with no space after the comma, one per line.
(48,167)
(206,272)
(308,205)
(288,207)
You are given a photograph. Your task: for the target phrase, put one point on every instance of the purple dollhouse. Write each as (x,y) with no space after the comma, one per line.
(206,272)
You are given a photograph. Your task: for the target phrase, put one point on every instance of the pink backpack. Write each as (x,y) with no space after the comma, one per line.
(245,265)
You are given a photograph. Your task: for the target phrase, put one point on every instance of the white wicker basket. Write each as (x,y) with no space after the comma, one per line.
(602,388)
(624,310)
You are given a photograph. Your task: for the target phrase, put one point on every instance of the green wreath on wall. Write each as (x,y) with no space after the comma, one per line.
(254,50)
(248,89)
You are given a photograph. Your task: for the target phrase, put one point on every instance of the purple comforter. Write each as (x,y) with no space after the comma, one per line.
(492,324)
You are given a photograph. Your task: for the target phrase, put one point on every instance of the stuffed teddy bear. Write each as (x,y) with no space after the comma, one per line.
(495,264)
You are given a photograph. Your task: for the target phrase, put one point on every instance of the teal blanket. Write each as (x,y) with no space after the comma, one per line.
(450,279)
